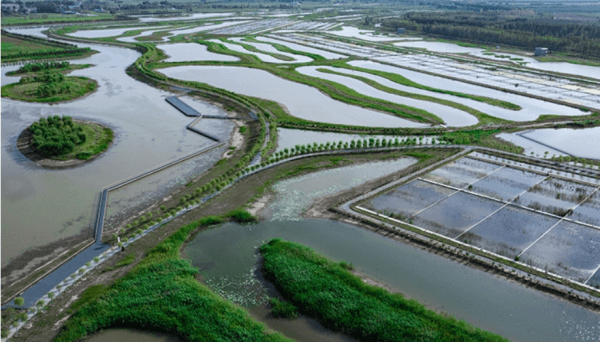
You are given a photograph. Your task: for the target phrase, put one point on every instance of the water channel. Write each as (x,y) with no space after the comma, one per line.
(301,100)
(148,132)
(228,258)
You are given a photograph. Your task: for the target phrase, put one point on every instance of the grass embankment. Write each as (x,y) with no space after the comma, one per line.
(327,291)
(252,48)
(161,293)
(16,47)
(284,48)
(49,88)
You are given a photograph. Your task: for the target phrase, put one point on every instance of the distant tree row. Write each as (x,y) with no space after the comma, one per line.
(56,136)
(492,28)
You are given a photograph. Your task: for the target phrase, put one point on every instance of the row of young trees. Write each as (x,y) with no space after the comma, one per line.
(56,136)
(493,28)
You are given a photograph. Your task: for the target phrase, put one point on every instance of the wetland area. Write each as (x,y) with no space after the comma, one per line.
(407,162)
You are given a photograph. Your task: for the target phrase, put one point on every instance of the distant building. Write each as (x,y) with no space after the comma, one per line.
(401,30)
(540,51)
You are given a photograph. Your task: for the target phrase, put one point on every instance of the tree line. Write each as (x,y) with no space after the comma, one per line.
(491,28)
(44,66)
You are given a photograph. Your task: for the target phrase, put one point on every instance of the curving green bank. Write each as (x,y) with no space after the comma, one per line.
(161,293)
(328,292)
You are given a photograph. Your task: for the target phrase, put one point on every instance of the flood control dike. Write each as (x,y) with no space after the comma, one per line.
(46,282)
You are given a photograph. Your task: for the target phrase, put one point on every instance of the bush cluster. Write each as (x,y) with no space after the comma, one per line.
(56,136)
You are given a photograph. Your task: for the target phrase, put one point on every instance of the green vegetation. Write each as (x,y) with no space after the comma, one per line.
(128,260)
(161,293)
(341,301)
(49,87)
(62,138)
(50,18)
(282,309)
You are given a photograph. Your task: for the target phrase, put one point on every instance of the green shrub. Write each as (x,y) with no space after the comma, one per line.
(282,309)
(56,135)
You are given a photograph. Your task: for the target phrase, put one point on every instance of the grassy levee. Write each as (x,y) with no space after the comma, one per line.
(405,81)
(326,290)
(483,117)
(284,48)
(62,70)
(252,48)
(161,293)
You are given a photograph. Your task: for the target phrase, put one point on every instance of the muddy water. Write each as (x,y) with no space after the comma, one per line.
(108,32)
(131,335)
(228,258)
(302,101)
(40,205)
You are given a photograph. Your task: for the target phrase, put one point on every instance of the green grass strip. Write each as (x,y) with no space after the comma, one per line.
(161,293)
(341,301)
(284,48)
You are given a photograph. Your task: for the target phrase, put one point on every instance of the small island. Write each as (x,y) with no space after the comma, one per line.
(45,82)
(62,141)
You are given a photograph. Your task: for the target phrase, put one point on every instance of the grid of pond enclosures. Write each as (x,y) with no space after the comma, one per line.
(521,211)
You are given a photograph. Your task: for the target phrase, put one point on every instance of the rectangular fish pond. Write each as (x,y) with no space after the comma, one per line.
(507,208)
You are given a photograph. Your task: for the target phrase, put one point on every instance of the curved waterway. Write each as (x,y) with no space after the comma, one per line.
(302,101)
(41,206)
(229,261)
(182,52)
(272,49)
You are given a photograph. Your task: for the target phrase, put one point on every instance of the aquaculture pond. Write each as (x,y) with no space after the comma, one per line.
(564,141)
(531,108)
(270,48)
(301,100)
(148,132)
(303,48)
(182,52)
(451,116)
(462,172)
(108,32)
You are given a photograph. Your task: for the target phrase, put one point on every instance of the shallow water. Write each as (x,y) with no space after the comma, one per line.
(206,27)
(353,32)
(148,132)
(269,48)
(439,47)
(190,17)
(451,116)
(531,108)
(322,53)
(301,100)
(181,52)
(564,141)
